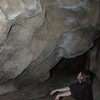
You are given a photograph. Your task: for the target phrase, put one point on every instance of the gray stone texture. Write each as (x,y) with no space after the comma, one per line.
(36,34)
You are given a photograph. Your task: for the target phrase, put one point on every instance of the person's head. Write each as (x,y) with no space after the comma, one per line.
(85,76)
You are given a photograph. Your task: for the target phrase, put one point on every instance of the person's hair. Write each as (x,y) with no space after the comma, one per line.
(88,77)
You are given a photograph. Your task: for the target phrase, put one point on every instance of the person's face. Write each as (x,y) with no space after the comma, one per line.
(79,76)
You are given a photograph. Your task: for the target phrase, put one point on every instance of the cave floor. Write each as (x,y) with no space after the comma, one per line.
(60,78)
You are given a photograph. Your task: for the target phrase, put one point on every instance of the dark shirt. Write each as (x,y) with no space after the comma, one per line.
(81,91)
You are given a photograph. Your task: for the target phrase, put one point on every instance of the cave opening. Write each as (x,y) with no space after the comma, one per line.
(65,71)
(73,64)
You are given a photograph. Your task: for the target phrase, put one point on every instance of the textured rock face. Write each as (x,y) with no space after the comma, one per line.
(22,19)
(36,34)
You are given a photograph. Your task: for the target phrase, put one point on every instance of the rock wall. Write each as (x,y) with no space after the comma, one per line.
(95,67)
(36,34)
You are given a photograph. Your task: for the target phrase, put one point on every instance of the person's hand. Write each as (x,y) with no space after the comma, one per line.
(57,97)
(53,92)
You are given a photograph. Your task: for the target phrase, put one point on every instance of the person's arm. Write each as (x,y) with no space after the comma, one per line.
(67,93)
(60,90)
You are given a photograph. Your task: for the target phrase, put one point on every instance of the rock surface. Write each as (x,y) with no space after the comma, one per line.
(36,34)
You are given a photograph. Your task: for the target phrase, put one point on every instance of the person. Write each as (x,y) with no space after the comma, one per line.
(81,90)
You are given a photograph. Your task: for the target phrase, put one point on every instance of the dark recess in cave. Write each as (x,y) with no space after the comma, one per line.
(65,72)
(73,64)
